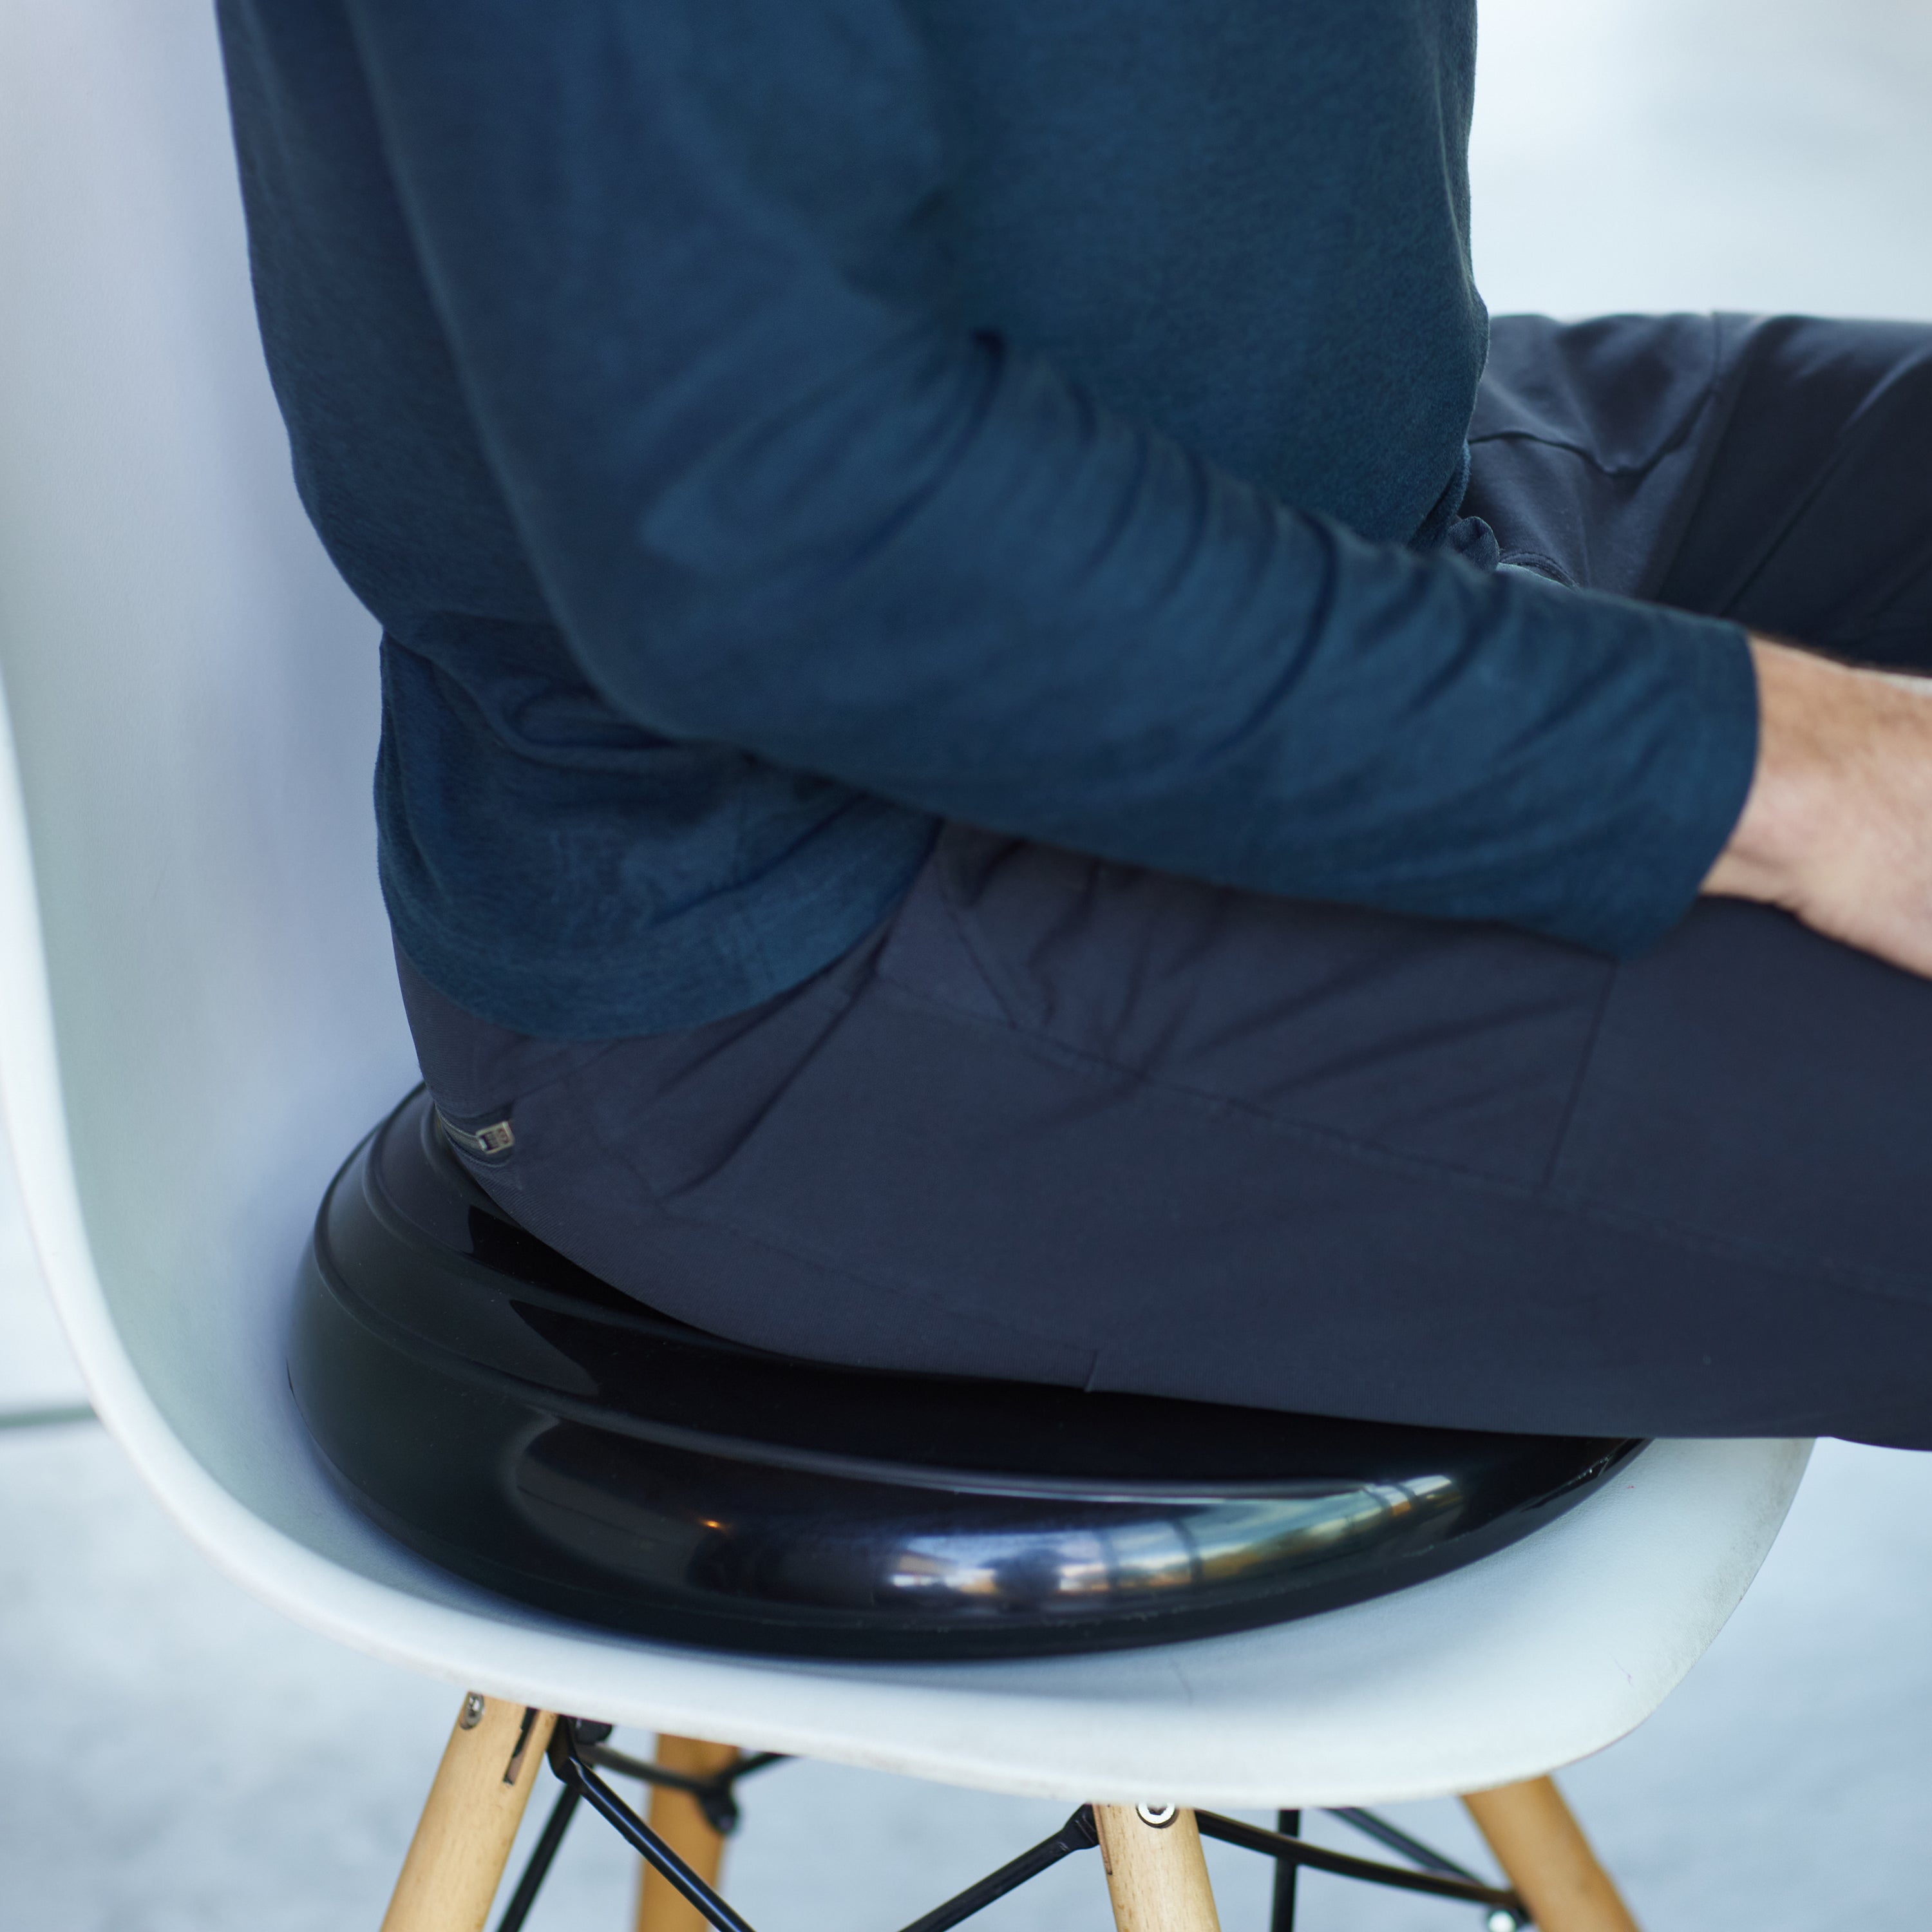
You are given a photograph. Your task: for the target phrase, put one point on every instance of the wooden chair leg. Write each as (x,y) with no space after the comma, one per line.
(1156,1875)
(676,1819)
(463,1838)
(1548,1859)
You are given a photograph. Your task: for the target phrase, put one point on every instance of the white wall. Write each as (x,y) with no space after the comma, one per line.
(1763,155)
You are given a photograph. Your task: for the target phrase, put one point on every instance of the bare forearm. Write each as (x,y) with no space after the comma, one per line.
(1837,827)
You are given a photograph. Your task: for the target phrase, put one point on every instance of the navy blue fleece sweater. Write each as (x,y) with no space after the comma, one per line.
(763,427)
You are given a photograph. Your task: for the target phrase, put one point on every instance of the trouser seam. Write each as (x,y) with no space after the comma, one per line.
(674,1209)
(1574,1099)
(1568,1201)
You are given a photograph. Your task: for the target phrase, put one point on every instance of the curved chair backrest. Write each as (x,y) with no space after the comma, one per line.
(193,704)
(199,1017)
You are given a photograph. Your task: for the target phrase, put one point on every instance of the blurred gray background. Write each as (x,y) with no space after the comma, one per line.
(185,1761)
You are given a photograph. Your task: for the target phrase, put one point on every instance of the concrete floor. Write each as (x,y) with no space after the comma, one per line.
(186,1761)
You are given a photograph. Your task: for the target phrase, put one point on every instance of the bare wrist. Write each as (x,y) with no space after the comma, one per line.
(1837,827)
(1811,719)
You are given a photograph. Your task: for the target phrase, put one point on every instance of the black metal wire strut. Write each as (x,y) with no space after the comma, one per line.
(577,1752)
(1281,1911)
(1079,1833)
(538,1870)
(1319,1857)
(648,1845)
(1395,1840)
(716,1796)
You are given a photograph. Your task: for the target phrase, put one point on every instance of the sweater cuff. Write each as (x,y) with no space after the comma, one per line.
(1695,779)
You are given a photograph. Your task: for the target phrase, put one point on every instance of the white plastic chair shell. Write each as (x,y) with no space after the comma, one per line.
(198,1018)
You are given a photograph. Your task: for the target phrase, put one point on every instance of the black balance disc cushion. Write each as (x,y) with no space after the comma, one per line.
(524,1424)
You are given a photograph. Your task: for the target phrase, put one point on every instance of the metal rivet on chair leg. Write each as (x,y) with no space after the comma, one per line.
(462,1839)
(1156,1875)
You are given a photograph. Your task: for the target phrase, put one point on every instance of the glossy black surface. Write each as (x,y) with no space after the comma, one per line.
(524,1423)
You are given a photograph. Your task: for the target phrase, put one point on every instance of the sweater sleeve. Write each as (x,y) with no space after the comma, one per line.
(782,496)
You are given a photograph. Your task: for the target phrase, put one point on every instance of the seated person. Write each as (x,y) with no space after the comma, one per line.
(1016,743)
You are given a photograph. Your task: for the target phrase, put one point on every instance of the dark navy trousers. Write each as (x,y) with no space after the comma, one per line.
(1077,1123)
